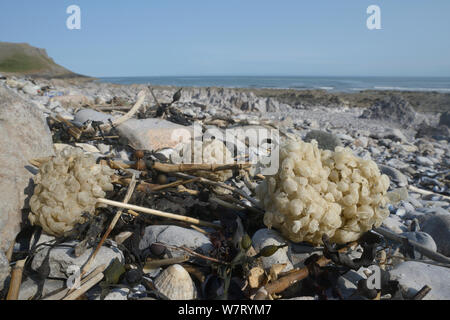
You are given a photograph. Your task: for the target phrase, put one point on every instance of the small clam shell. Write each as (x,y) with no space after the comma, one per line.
(176,284)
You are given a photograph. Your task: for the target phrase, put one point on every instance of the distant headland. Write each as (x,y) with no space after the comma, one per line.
(24,59)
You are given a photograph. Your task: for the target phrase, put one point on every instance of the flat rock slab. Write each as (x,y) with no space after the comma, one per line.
(62,257)
(25,136)
(414,275)
(154,134)
(88,114)
(143,134)
(176,236)
(29,288)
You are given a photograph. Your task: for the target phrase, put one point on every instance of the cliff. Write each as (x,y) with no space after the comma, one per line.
(24,59)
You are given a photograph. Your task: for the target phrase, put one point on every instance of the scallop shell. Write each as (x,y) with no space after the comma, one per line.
(176,284)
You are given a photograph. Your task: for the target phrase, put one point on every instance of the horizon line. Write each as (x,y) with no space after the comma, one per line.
(273,75)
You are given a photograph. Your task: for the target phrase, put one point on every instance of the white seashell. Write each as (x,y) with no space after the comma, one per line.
(176,284)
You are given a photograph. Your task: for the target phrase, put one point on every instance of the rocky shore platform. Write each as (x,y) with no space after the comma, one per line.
(405,133)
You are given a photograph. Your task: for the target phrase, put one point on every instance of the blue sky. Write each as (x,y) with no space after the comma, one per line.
(236,37)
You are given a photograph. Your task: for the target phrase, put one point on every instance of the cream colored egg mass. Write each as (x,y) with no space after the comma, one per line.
(66,187)
(318,192)
(210,152)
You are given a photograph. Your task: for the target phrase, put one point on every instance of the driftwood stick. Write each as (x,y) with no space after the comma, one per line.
(182,188)
(426,192)
(250,185)
(61,293)
(225,204)
(85,287)
(94,272)
(152,264)
(142,186)
(222,185)
(172,184)
(73,130)
(285,282)
(9,253)
(422,293)
(158,213)
(116,164)
(230,198)
(154,97)
(111,226)
(193,226)
(128,115)
(133,213)
(105,137)
(193,253)
(417,246)
(150,187)
(16,280)
(170,168)
(86,266)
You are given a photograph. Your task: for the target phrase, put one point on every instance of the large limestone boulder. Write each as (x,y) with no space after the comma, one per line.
(24,135)
(394,109)
(61,258)
(325,140)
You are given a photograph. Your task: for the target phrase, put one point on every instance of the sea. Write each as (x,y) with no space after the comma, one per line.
(336,84)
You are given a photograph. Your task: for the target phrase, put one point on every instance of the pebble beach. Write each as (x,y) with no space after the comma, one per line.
(410,144)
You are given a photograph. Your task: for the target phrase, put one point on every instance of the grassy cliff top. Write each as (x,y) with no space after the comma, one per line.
(21,58)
